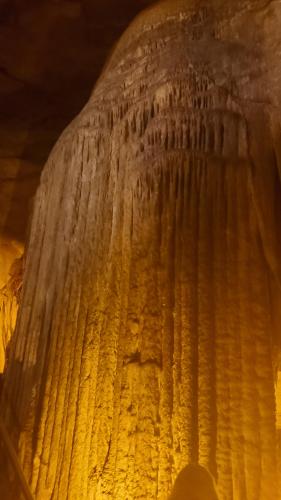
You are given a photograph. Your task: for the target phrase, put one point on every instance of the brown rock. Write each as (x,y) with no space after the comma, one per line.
(9,302)
(145,340)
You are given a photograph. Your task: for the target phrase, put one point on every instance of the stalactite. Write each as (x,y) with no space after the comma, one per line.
(144,338)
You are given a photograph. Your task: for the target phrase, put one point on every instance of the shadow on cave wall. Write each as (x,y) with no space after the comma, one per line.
(194,483)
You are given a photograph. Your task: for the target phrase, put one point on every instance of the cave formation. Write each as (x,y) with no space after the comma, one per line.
(148,332)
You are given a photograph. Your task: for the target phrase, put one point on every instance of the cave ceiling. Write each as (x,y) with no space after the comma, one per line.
(52,52)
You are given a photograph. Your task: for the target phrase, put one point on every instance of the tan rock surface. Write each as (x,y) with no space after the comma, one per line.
(147,336)
(9,302)
(51,54)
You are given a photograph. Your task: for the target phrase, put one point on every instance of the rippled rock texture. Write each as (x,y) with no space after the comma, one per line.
(147,336)
(52,52)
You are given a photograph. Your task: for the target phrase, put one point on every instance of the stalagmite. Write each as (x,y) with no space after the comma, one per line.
(146,338)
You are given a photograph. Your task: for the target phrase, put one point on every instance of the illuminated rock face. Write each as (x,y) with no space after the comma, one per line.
(146,336)
(9,302)
(15,189)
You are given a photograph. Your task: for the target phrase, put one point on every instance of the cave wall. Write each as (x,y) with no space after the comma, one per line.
(148,331)
(9,302)
(51,54)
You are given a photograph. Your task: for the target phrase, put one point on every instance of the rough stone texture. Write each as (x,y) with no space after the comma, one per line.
(9,302)
(52,52)
(9,488)
(148,331)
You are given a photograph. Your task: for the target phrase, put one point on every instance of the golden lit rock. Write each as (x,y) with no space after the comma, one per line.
(146,337)
(278,401)
(10,286)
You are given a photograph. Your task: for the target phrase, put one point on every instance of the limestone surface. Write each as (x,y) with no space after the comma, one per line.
(148,331)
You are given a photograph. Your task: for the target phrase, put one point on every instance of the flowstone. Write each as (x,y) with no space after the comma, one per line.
(146,337)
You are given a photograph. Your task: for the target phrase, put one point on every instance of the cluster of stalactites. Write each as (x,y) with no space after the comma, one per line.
(143,333)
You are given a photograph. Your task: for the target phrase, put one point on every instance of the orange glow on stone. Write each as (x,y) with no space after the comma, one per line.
(144,339)
(278,401)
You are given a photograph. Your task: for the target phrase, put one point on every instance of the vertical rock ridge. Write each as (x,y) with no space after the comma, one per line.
(144,335)
(9,301)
